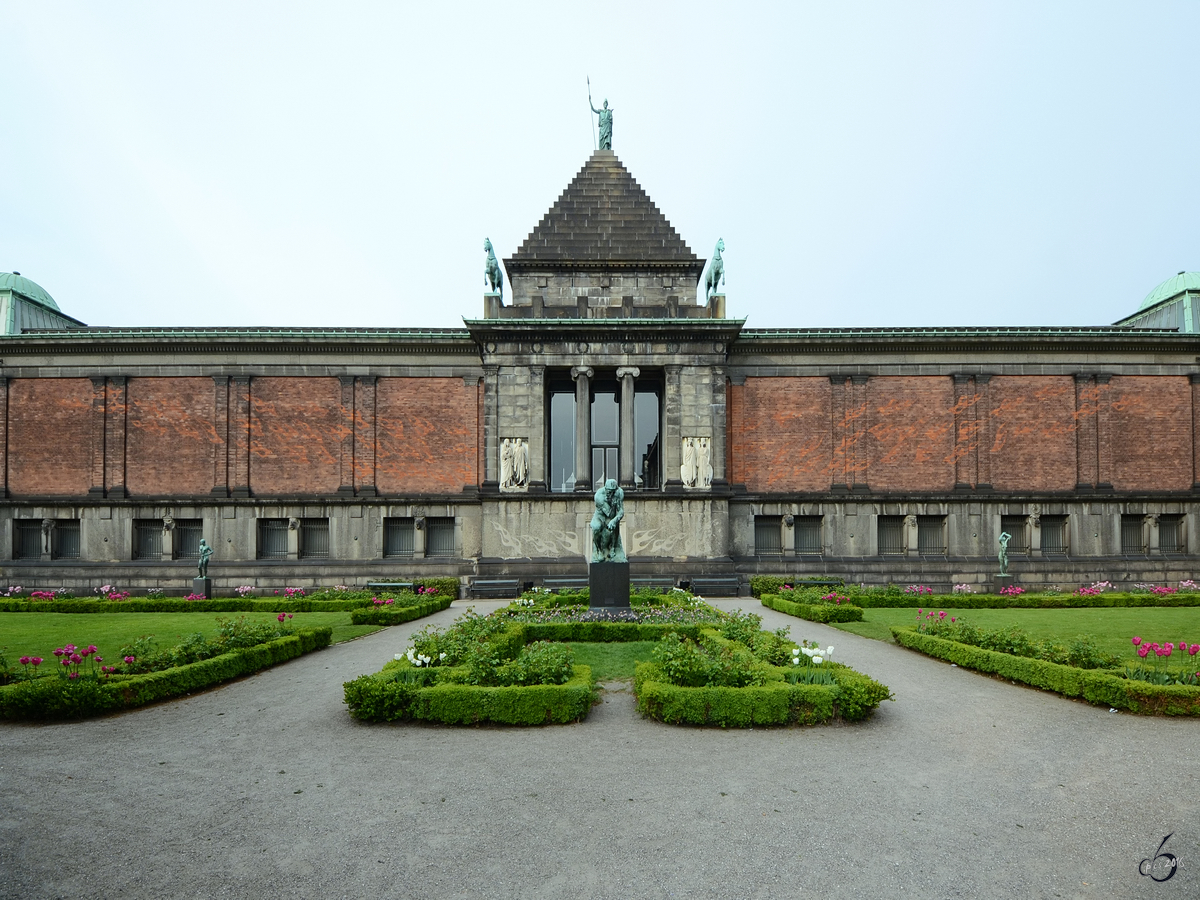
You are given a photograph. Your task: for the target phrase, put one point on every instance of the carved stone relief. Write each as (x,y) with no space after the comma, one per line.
(696,470)
(514,464)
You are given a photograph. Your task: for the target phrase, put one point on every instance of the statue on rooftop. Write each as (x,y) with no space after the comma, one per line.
(716,270)
(491,269)
(606,524)
(605,115)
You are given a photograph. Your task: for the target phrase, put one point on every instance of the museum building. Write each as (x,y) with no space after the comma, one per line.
(344,456)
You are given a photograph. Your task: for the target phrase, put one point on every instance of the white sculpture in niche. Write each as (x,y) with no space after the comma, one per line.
(696,470)
(514,464)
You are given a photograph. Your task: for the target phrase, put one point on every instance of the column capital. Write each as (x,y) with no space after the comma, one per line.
(628,371)
(586,371)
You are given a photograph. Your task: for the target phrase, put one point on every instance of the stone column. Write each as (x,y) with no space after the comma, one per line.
(537,428)
(626,375)
(910,536)
(672,428)
(168,539)
(583,427)
(491,425)
(419,537)
(1151,527)
(293,538)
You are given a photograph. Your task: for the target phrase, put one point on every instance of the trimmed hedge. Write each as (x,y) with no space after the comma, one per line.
(396,615)
(53,697)
(388,697)
(176,604)
(854,697)
(1029,600)
(602,632)
(771,584)
(814,612)
(1095,686)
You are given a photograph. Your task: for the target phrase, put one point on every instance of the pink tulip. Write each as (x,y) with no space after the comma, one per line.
(1142,651)
(130,659)
(24,660)
(1136,641)
(1194,649)
(942,614)
(37,660)
(1167,650)
(952,620)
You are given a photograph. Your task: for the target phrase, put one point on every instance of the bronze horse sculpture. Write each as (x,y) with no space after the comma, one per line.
(716,270)
(491,270)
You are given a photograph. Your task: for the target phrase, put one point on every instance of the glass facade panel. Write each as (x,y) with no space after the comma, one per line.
(561,476)
(647,460)
(605,418)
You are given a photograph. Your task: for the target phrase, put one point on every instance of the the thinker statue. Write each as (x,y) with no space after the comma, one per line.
(606,524)
(1005,537)
(605,115)
(206,553)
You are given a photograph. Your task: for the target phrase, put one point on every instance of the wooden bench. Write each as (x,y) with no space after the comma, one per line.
(494,588)
(715,585)
(660,582)
(564,584)
(391,585)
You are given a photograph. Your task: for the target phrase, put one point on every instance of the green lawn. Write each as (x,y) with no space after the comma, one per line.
(37,634)
(612,661)
(1110,629)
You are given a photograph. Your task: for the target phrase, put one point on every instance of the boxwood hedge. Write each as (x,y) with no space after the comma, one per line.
(1095,686)
(395,614)
(814,612)
(55,697)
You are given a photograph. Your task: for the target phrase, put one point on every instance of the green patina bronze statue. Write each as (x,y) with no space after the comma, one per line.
(206,553)
(491,269)
(1005,537)
(605,115)
(606,524)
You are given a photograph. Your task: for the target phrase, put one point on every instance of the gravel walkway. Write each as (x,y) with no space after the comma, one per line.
(963,787)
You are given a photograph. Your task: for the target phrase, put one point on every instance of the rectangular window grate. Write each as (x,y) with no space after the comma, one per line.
(64,540)
(1016,526)
(272,538)
(891,535)
(768,540)
(188,533)
(439,537)
(808,535)
(398,537)
(27,539)
(147,538)
(1133,535)
(931,535)
(314,538)
(1170,534)
(1054,534)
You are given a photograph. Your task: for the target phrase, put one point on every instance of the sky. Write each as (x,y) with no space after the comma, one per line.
(867,164)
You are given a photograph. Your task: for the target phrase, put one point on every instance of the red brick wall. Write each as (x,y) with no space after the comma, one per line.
(1032,432)
(296,430)
(427,433)
(910,434)
(780,435)
(1149,432)
(49,436)
(170,437)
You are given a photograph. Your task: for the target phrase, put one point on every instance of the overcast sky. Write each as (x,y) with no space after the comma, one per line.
(898,164)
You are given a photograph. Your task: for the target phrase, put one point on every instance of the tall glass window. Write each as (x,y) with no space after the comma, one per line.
(606,428)
(561,476)
(647,460)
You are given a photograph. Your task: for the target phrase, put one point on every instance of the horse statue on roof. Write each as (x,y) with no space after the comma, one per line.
(716,270)
(491,269)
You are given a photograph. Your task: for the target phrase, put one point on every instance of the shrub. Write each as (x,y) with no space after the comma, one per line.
(814,612)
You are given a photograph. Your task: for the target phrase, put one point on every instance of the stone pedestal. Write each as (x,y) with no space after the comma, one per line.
(1000,582)
(202,587)
(608,585)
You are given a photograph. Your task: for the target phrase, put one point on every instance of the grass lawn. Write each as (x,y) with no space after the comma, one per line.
(612,661)
(37,634)
(1109,629)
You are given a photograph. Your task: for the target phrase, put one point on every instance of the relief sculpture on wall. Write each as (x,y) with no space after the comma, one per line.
(696,470)
(514,464)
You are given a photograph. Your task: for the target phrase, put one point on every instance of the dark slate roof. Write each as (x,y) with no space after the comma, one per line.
(604,216)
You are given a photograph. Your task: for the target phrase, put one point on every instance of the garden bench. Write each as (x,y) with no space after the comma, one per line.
(564,584)
(661,582)
(716,585)
(819,582)
(390,585)
(494,588)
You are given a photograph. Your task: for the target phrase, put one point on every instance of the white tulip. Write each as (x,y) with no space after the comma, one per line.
(399,656)
(795,652)
(817,660)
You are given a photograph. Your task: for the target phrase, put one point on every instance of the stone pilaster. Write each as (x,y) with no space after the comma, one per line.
(346,461)
(364,436)
(1086,451)
(239,436)
(114,437)
(220,422)
(97,430)
(491,425)
(672,428)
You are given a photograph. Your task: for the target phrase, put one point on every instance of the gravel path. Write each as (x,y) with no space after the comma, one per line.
(963,787)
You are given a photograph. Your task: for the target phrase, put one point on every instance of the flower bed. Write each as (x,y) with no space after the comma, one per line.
(711,668)
(59,696)
(1099,686)
(822,611)
(402,610)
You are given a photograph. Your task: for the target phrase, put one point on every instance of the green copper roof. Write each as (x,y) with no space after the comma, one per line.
(10,281)
(1176,284)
